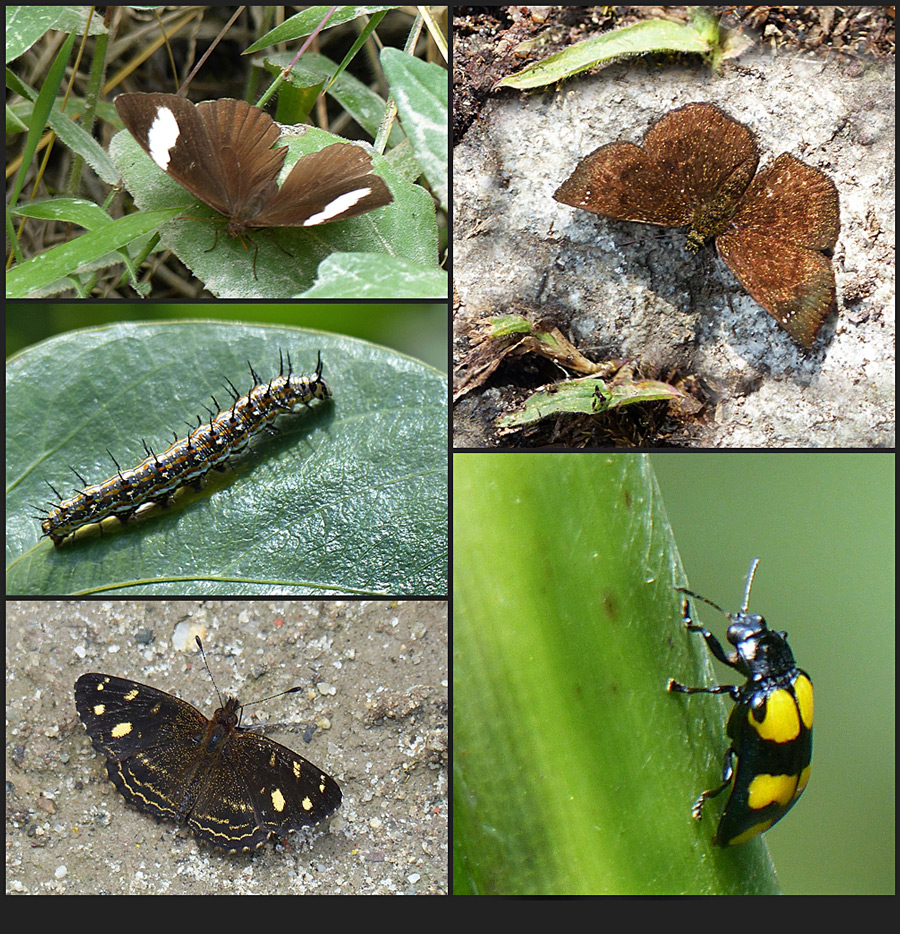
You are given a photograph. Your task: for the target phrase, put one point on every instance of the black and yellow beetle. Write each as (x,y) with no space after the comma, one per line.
(770,725)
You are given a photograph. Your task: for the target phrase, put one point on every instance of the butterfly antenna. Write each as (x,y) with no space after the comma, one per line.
(209,670)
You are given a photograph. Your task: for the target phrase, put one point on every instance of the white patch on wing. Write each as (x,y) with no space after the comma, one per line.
(340,204)
(162,136)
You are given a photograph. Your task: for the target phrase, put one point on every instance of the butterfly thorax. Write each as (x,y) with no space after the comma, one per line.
(712,216)
(222,725)
(238,225)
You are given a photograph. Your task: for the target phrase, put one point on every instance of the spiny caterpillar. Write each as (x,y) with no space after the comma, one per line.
(158,477)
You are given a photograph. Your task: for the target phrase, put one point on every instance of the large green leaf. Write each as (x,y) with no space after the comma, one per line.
(574,768)
(350,496)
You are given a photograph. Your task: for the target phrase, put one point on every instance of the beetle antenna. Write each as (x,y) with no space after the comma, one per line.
(697,596)
(750,577)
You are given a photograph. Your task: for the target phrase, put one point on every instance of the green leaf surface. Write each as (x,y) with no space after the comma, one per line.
(587,396)
(362,104)
(376,276)
(420,91)
(42,274)
(574,768)
(350,496)
(69,210)
(655,35)
(304,22)
(25,25)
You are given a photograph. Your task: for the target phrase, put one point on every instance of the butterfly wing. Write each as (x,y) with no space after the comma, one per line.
(711,159)
(240,138)
(329,185)
(774,244)
(692,166)
(220,151)
(623,181)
